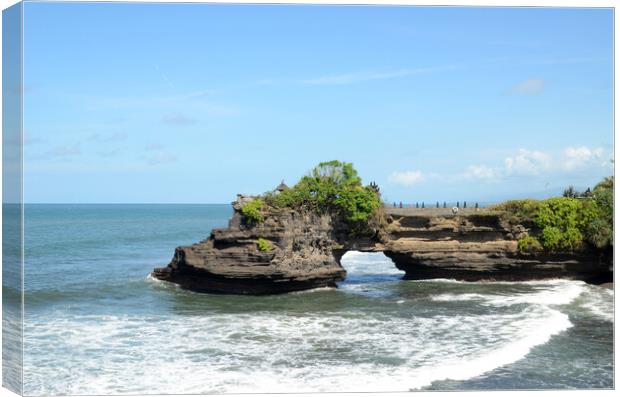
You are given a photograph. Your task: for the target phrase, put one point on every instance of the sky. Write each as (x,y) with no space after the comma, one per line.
(194,103)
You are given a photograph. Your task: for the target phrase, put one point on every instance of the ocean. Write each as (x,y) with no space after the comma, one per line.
(96,323)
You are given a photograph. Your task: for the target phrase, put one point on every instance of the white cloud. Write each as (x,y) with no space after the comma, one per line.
(351,78)
(483,173)
(406,178)
(529,162)
(529,87)
(580,157)
(524,163)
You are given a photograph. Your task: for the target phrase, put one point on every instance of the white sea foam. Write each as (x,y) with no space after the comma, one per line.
(369,263)
(161,283)
(439,280)
(561,293)
(458,297)
(314,351)
(266,352)
(150,278)
(599,302)
(553,292)
(312,290)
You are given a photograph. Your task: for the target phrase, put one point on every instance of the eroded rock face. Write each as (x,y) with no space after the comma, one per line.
(306,251)
(481,246)
(230,261)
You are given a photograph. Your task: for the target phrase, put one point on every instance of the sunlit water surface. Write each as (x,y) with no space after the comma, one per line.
(97,324)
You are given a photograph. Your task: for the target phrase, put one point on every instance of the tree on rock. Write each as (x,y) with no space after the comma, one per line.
(335,187)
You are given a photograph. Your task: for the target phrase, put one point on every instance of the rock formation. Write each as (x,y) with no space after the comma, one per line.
(480,246)
(303,251)
(299,257)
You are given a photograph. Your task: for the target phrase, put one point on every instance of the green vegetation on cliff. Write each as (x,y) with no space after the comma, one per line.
(263,245)
(252,211)
(334,187)
(566,223)
(529,244)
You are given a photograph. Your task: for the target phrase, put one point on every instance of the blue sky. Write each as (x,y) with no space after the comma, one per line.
(193,103)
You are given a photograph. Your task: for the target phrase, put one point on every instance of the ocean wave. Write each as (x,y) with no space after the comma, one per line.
(598,302)
(554,292)
(271,352)
(439,280)
(313,290)
(372,345)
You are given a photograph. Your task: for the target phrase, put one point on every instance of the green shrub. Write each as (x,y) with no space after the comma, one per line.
(332,186)
(562,220)
(566,223)
(264,245)
(357,204)
(251,211)
(600,231)
(522,210)
(529,244)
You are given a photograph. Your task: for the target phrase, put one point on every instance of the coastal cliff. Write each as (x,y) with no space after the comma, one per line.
(480,245)
(302,250)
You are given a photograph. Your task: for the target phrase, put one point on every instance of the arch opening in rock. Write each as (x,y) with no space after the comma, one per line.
(368,267)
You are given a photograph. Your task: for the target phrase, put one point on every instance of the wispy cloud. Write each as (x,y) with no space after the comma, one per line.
(160,158)
(483,173)
(30,140)
(108,153)
(156,154)
(58,152)
(148,101)
(116,137)
(358,77)
(177,119)
(164,77)
(198,102)
(153,147)
(529,87)
(406,178)
(554,61)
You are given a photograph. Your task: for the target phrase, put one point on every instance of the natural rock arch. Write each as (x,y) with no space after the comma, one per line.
(304,251)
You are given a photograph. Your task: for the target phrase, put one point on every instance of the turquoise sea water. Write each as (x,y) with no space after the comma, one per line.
(97,324)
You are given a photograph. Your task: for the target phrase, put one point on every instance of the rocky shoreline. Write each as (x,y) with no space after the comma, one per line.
(294,250)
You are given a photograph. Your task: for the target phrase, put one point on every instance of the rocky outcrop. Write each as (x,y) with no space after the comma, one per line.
(300,255)
(305,250)
(480,246)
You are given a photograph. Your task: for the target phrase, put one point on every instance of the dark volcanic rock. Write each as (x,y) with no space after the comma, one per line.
(229,261)
(306,252)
